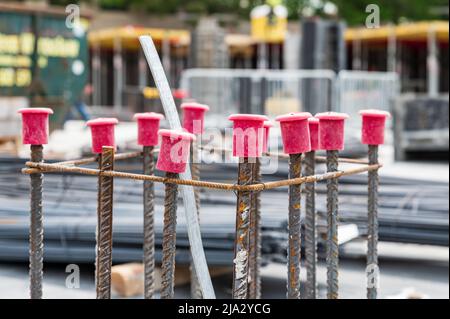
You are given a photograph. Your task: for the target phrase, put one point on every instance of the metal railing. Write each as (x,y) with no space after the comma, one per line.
(275,92)
(270,92)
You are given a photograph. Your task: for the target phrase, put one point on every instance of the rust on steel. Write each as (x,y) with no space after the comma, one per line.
(149,224)
(36,227)
(310,230)
(88,160)
(255,239)
(242,240)
(169,239)
(105,225)
(294,248)
(332,228)
(43,167)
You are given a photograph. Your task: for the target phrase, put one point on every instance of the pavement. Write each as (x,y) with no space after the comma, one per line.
(422,271)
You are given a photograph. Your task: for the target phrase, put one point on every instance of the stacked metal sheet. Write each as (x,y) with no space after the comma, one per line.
(70,220)
(409,212)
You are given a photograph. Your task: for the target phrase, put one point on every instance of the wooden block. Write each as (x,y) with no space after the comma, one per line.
(127,280)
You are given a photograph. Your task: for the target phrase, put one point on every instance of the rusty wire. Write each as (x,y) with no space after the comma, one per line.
(43,167)
(320,159)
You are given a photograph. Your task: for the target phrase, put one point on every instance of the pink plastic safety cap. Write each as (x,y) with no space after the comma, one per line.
(102,132)
(35,128)
(331,130)
(373,126)
(267,126)
(174,153)
(194,117)
(314,133)
(295,132)
(248,132)
(148,126)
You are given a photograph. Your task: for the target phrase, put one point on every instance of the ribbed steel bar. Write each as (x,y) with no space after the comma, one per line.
(242,241)
(105,226)
(196,291)
(372,253)
(310,230)
(332,231)
(294,249)
(213,185)
(149,224)
(36,227)
(169,239)
(255,239)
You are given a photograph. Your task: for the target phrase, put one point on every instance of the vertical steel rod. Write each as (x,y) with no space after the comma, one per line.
(169,239)
(332,231)
(242,242)
(196,291)
(255,239)
(372,254)
(105,225)
(36,227)
(294,249)
(149,224)
(310,229)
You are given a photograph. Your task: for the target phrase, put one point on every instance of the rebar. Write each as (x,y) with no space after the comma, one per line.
(196,291)
(310,230)
(294,249)
(372,253)
(255,239)
(242,241)
(332,228)
(169,239)
(105,226)
(149,224)
(212,185)
(36,227)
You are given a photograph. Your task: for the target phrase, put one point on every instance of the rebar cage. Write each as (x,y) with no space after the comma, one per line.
(247,280)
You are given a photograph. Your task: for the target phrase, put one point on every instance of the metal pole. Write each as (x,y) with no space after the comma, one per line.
(149,224)
(36,227)
(255,239)
(196,291)
(294,249)
(432,63)
(242,242)
(104,226)
(332,231)
(187,193)
(310,229)
(372,255)
(169,239)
